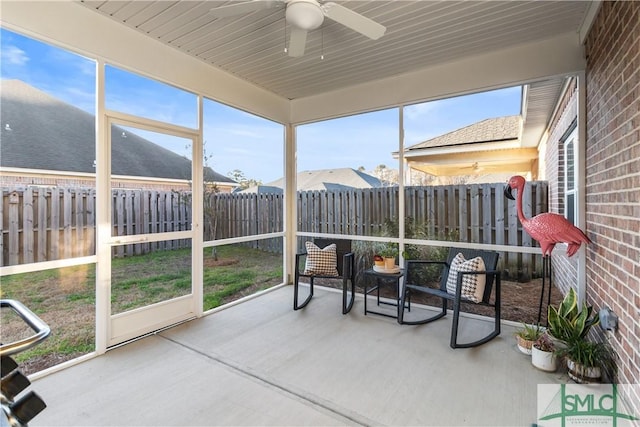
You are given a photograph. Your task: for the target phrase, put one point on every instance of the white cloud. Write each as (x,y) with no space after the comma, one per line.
(13,55)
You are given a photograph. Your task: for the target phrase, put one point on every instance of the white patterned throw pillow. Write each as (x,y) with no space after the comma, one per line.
(321,262)
(472,284)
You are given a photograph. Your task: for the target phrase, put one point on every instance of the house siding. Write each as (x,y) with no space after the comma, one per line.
(613,178)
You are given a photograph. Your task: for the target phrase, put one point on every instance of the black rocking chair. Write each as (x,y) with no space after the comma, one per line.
(346,273)
(413,285)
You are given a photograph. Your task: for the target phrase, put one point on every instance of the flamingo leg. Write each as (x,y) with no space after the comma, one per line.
(546,271)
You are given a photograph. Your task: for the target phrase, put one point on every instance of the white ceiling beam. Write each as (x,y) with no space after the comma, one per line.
(556,56)
(77,28)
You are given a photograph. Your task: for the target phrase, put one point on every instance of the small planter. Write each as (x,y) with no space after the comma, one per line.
(526,336)
(544,360)
(583,374)
(524,345)
(389,263)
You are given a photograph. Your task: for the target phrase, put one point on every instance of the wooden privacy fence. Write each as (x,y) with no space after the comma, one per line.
(245,214)
(42,224)
(476,213)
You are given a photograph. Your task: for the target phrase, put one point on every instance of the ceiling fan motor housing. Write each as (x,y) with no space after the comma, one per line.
(304,14)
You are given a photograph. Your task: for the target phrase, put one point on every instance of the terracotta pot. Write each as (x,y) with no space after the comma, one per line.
(584,374)
(544,360)
(389,263)
(524,345)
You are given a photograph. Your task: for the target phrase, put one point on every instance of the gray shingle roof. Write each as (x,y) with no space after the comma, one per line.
(46,133)
(330,179)
(496,129)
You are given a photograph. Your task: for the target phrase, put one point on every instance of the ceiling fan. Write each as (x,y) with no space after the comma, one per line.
(304,16)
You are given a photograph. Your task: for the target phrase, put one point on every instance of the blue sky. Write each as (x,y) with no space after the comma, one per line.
(238,140)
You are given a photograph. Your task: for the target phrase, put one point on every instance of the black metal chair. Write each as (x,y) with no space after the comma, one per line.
(413,279)
(346,273)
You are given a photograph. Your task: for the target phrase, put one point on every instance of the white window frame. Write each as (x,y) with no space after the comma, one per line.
(570,144)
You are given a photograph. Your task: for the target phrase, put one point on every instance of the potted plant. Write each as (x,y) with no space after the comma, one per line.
(378,261)
(568,323)
(389,252)
(543,354)
(526,336)
(586,360)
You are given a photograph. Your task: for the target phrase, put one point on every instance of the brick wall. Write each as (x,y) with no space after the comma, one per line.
(613,177)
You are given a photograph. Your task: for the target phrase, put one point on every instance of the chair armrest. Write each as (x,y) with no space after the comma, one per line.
(424,261)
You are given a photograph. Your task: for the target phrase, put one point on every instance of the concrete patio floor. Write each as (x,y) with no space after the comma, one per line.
(261,363)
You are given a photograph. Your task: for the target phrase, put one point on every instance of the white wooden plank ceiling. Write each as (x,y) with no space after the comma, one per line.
(419,34)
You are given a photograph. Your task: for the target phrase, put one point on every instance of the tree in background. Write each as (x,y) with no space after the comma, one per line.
(238,176)
(388,177)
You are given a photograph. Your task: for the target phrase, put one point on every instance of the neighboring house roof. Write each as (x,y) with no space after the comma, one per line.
(489,147)
(261,189)
(324,179)
(496,129)
(42,132)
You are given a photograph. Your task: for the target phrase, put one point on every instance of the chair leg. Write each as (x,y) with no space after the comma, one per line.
(297,306)
(347,303)
(496,329)
(403,296)
(406,294)
(454,326)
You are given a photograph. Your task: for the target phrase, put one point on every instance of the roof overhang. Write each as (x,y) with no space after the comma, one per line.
(473,160)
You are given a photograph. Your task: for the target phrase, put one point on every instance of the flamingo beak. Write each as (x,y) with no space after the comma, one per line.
(507,192)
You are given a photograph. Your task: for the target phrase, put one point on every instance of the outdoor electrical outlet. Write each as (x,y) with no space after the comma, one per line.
(608,319)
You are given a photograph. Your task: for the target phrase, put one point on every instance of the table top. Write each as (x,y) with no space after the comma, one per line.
(371,271)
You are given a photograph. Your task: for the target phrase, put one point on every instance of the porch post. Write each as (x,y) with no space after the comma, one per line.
(197,214)
(290,203)
(401,182)
(103,216)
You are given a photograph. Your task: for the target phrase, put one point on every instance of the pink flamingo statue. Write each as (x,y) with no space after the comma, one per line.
(548,229)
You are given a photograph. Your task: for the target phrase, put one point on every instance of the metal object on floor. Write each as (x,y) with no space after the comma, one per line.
(382,279)
(18,411)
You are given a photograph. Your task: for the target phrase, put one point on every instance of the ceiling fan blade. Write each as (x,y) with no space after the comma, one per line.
(245,7)
(297,41)
(353,20)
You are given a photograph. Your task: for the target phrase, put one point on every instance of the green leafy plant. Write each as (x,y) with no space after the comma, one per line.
(390,250)
(530,332)
(568,322)
(590,354)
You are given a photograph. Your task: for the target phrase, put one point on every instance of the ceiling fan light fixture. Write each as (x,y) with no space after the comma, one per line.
(304,14)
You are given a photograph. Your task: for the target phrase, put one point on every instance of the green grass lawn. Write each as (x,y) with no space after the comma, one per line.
(65,298)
